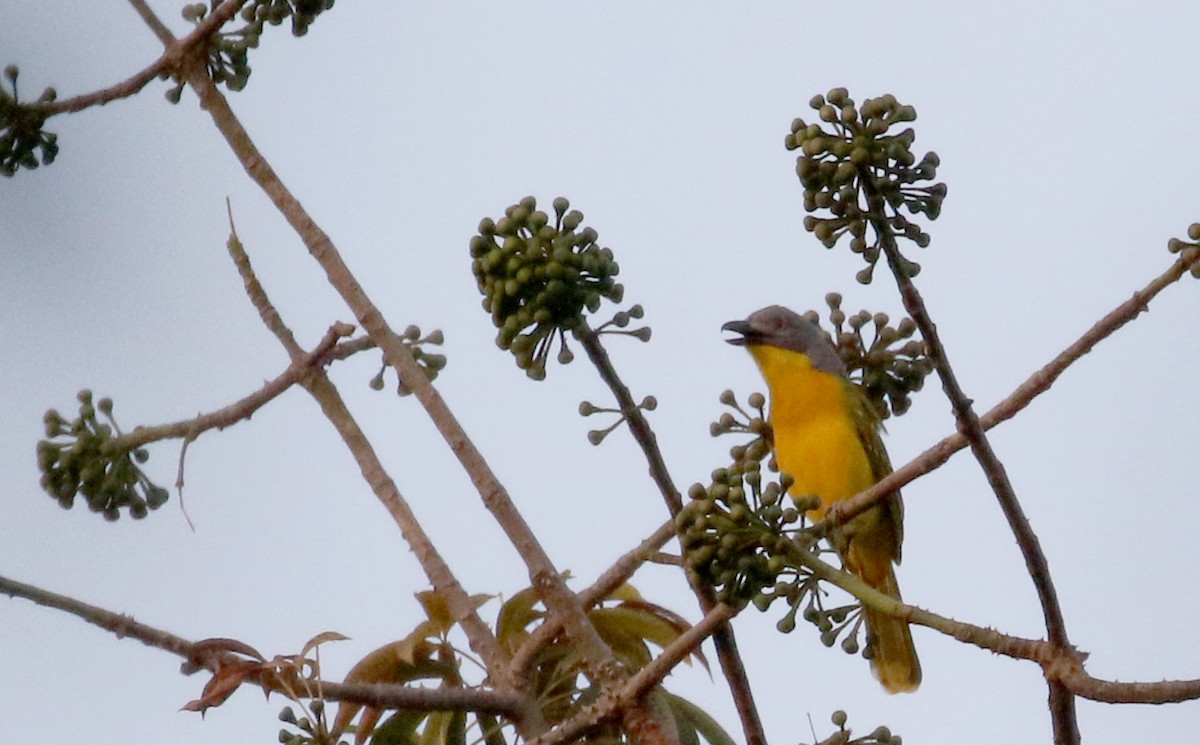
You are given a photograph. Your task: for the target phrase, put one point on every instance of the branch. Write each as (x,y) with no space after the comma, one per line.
(317,383)
(616,575)
(726,643)
(301,367)
(1062,666)
(599,663)
(1022,396)
(166,64)
(638,426)
(1062,707)
(635,689)
(383,696)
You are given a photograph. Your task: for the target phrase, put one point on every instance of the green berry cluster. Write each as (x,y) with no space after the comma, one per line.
(91,460)
(740,539)
(842,168)
(1189,248)
(23,142)
(891,367)
(228,52)
(879,736)
(537,278)
(730,530)
(430,363)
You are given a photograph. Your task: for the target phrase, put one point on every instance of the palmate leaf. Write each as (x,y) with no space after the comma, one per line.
(416,657)
(398,729)
(628,623)
(693,723)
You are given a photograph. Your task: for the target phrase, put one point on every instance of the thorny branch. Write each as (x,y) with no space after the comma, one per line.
(1022,396)
(1062,704)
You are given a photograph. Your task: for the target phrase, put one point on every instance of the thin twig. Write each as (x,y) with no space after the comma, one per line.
(638,426)
(724,640)
(161,66)
(244,408)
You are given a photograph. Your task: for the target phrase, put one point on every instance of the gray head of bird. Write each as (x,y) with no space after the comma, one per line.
(777,326)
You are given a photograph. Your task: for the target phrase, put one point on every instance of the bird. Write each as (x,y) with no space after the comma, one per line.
(826,436)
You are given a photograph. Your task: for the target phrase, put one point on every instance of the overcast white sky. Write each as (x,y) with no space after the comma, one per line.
(1067,137)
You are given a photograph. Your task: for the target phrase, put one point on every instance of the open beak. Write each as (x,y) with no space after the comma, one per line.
(739,327)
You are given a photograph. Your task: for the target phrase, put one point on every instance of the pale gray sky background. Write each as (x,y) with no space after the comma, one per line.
(1067,134)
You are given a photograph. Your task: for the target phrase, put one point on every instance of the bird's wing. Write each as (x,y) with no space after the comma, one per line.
(869,427)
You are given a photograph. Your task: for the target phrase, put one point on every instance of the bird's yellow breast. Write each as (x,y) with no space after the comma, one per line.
(816,440)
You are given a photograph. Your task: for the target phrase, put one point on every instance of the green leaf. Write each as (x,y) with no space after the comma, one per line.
(691,721)
(398,729)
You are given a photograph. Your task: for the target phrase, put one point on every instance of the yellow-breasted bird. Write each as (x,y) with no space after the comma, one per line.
(826,436)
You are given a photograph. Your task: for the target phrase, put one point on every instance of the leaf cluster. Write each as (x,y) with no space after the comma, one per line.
(554,679)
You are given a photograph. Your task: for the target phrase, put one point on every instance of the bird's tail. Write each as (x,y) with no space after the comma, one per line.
(889,641)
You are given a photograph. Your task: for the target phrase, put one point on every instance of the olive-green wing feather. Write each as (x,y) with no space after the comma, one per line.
(869,426)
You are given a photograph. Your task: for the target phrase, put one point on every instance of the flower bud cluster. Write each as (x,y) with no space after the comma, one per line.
(852,155)
(538,277)
(84,456)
